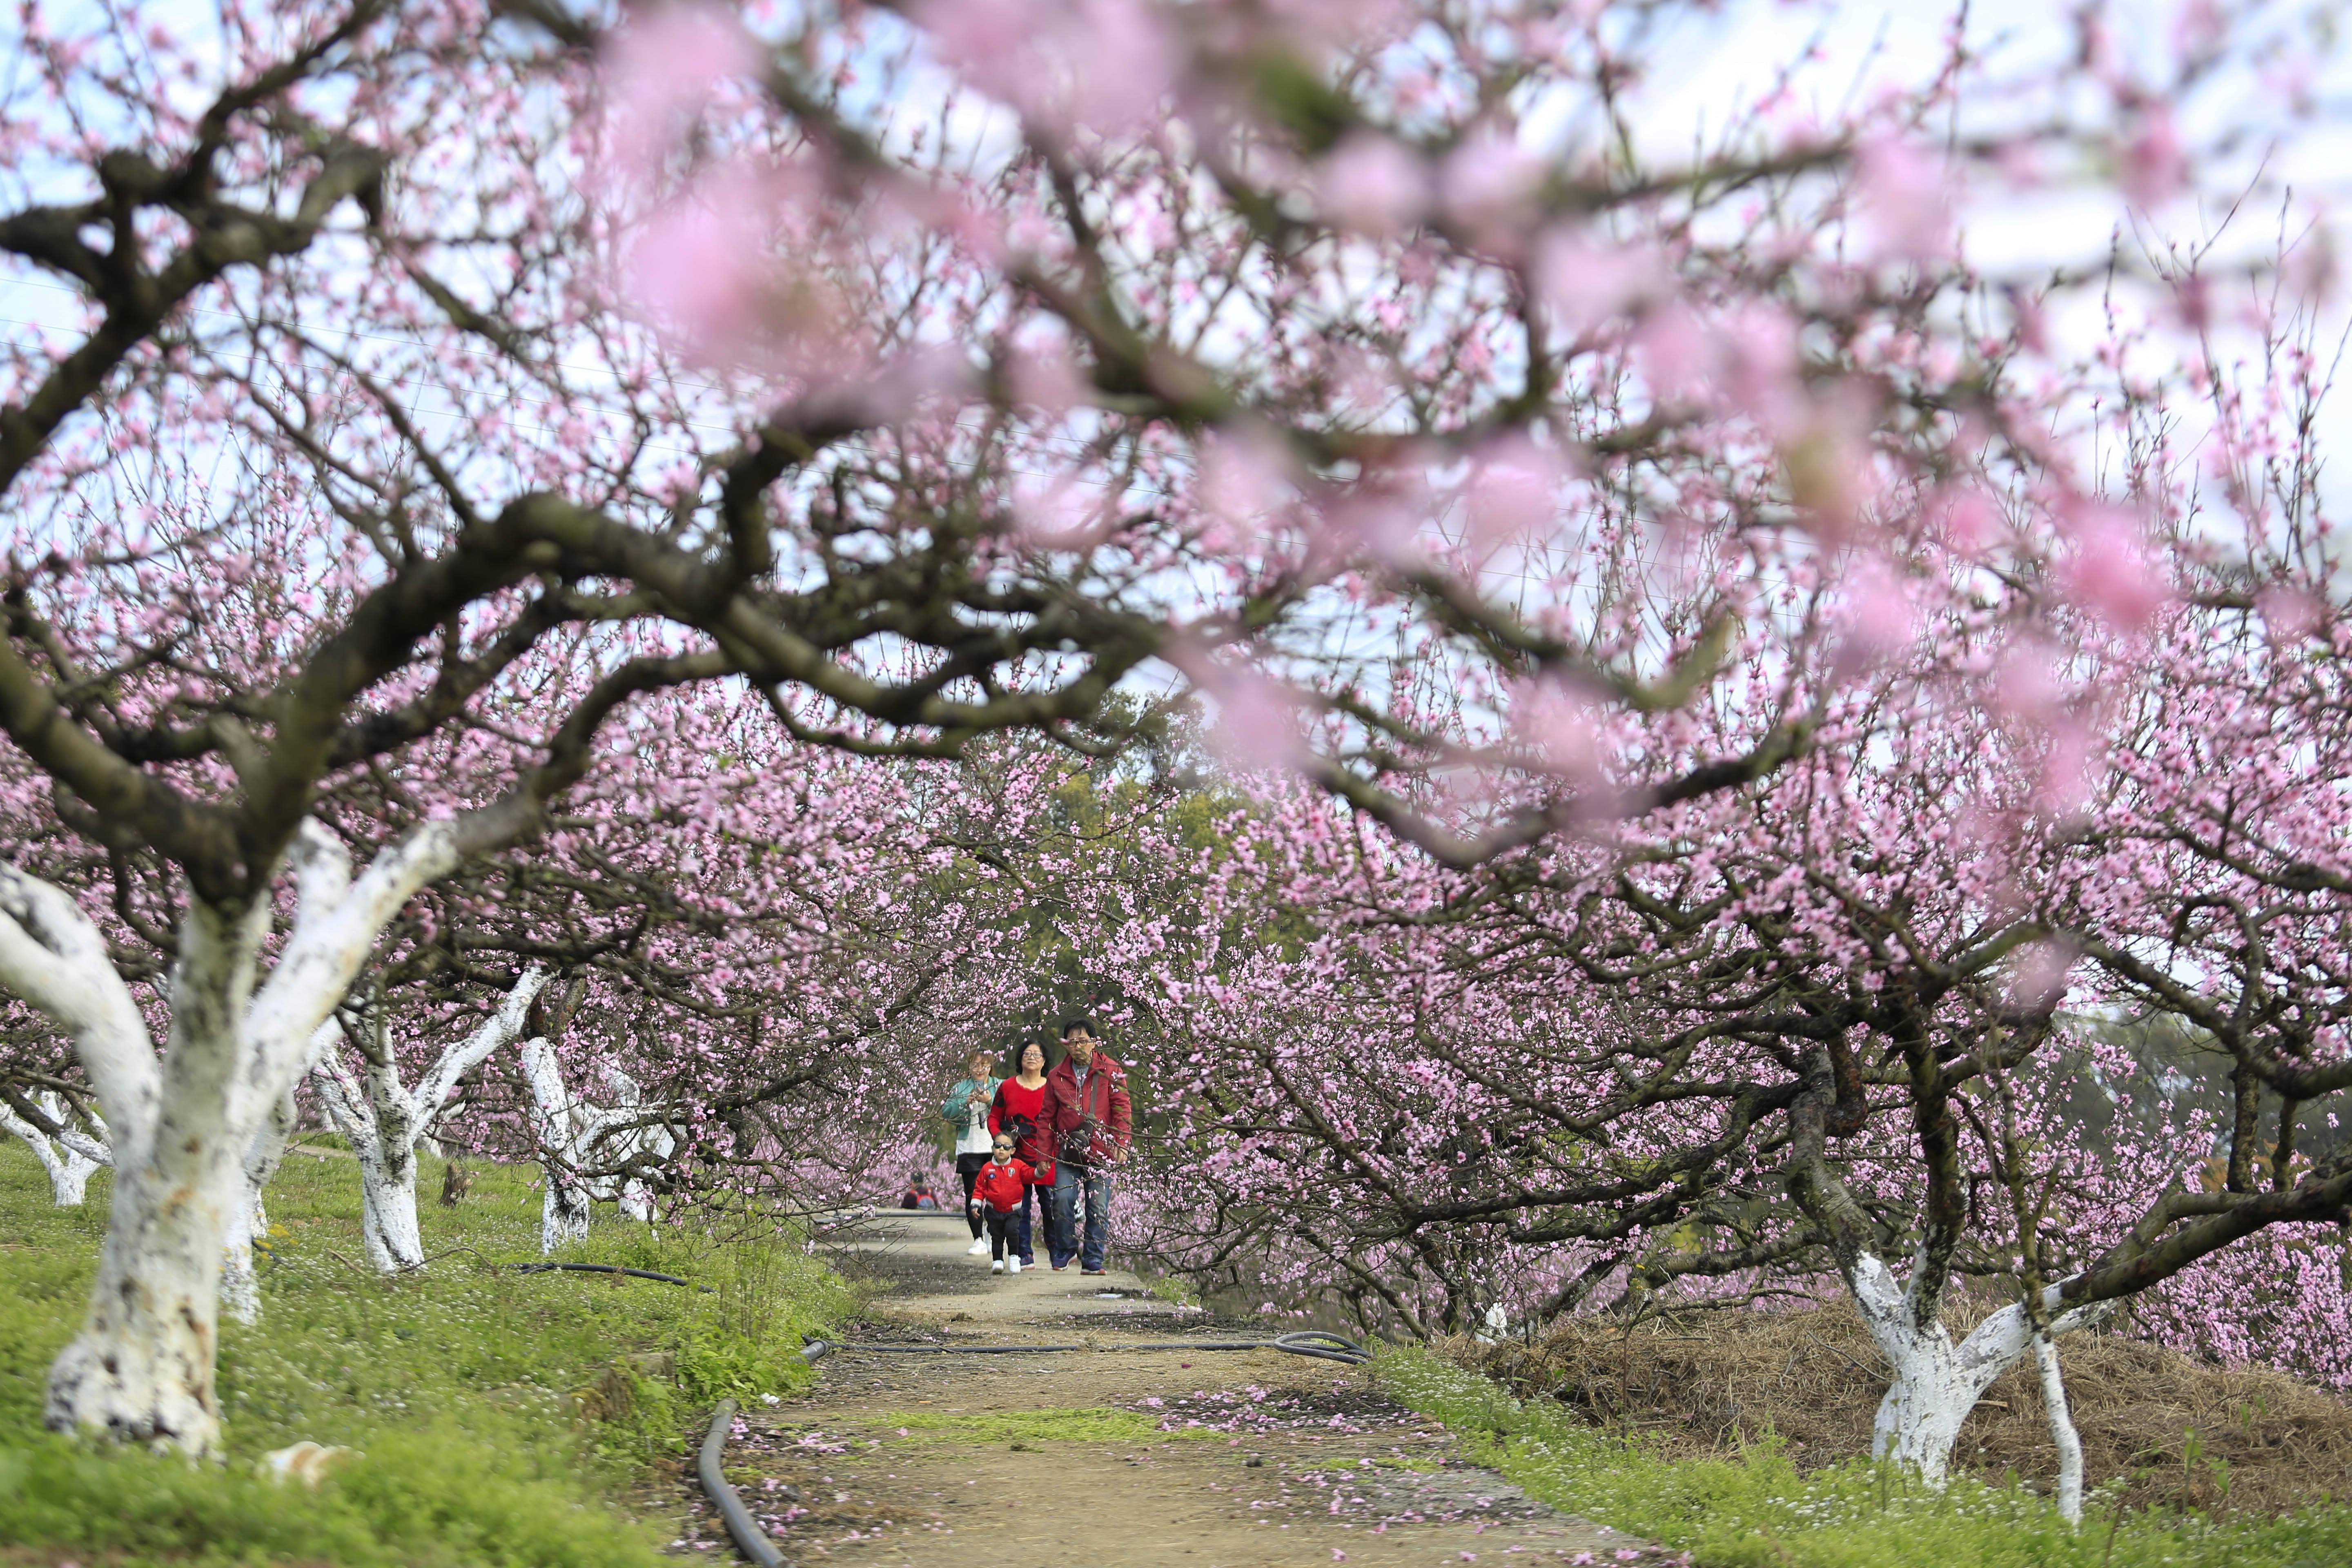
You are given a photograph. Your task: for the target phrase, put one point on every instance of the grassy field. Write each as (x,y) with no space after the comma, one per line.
(503,1419)
(1755,1509)
(535,1420)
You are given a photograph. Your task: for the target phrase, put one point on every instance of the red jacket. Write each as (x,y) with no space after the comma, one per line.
(1000,1185)
(1013,1102)
(1101,1099)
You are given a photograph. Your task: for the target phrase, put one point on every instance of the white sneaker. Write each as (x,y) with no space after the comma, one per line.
(997,1265)
(1013,1266)
(979,1247)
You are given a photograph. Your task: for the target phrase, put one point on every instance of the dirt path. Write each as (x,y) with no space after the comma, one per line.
(1109,1456)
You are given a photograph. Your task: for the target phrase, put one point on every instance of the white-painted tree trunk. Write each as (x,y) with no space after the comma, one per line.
(574,1137)
(250,1222)
(563,1211)
(70,1161)
(563,1204)
(613,1135)
(180,1127)
(2061,1430)
(380,1123)
(142,1369)
(1935,1382)
(386,1121)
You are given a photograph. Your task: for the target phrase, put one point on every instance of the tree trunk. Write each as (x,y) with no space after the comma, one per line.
(142,1369)
(388,1207)
(2061,1429)
(617,1136)
(563,1211)
(240,1286)
(563,1214)
(386,1121)
(396,1242)
(69,1167)
(70,1179)
(1936,1382)
(381,1126)
(1930,1395)
(250,1222)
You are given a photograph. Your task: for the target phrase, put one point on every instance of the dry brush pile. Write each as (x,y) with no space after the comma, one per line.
(2175,1430)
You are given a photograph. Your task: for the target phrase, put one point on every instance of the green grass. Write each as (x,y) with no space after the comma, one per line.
(503,1419)
(1077,1424)
(1754,1510)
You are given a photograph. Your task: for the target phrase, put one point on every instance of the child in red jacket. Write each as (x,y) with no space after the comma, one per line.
(996,1198)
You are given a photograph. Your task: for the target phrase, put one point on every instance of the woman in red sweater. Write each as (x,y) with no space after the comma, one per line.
(1019,1109)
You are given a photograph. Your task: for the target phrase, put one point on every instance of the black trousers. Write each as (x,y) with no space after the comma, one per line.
(968,1170)
(1001,1230)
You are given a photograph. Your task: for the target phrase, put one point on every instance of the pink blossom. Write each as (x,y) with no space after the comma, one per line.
(1058,511)
(2039,980)
(1586,280)
(1879,616)
(1513,492)
(1906,195)
(698,267)
(1243,474)
(2107,570)
(2291,612)
(1678,350)
(1488,179)
(1258,724)
(2153,167)
(1564,726)
(1374,184)
(1048,379)
(665,67)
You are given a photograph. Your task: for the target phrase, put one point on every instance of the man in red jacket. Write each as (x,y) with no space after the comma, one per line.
(1087,1109)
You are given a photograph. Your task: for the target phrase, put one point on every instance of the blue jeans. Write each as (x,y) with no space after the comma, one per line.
(1044,1198)
(1069,1183)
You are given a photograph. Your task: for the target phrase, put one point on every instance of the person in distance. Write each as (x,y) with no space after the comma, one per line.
(1087,1109)
(1020,1109)
(966,1114)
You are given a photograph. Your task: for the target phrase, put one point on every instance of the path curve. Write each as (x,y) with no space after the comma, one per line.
(1109,1456)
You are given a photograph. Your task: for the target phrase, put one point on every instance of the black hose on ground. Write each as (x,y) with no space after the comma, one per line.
(753,1542)
(749,1537)
(1306,1341)
(610,1268)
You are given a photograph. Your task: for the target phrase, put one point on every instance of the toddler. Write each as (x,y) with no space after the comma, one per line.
(996,1198)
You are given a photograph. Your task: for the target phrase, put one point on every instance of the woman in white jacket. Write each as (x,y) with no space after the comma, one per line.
(966,1112)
